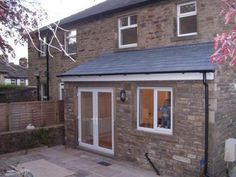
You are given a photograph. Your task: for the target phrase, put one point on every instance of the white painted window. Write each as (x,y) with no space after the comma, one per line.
(61,90)
(22,82)
(43,47)
(187,19)
(128,36)
(155,110)
(70,42)
(13,82)
(43,91)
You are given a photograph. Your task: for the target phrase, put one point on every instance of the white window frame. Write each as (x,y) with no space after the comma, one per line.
(95,92)
(65,40)
(13,81)
(126,27)
(22,82)
(155,128)
(182,15)
(43,47)
(61,86)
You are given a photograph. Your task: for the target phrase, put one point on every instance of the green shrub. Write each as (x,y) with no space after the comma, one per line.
(11,87)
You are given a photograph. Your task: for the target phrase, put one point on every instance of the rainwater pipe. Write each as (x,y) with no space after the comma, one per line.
(206,123)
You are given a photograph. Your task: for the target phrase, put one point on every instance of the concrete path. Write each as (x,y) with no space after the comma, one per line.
(58,161)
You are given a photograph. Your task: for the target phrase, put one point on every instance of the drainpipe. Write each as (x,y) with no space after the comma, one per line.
(206,122)
(47,70)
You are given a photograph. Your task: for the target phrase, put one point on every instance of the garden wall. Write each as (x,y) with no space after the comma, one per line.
(26,139)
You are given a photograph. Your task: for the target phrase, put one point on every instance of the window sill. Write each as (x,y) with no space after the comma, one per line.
(156,135)
(185,38)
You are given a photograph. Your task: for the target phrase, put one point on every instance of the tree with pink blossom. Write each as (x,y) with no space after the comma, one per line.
(225,43)
(18,18)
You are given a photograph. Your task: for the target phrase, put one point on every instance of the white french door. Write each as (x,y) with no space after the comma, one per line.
(95,115)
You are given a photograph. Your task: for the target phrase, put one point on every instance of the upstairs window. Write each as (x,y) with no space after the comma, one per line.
(22,81)
(13,82)
(187,19)
(70,42)
(128,32)
(43,47)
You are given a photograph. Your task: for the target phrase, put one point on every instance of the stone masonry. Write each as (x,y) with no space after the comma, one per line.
(156,28)
(176,155)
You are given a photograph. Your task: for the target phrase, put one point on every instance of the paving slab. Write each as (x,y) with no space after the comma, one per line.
(65,162)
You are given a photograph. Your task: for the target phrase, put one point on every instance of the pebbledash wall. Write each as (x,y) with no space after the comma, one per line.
(179,154)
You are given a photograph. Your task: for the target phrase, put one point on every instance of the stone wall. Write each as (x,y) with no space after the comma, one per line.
(224,116)
(26,139)
(176,155)
(156,28)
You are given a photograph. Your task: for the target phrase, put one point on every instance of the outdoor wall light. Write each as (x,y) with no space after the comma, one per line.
(123,95)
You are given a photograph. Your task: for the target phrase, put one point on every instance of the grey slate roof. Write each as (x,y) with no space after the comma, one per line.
(13,71)
(187,58)
(105,7)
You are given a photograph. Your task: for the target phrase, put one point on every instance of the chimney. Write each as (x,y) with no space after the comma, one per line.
(23,62)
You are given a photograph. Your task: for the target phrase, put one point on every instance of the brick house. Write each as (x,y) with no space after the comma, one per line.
(143,82)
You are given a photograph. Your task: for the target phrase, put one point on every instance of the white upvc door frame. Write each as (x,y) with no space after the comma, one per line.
(95,145)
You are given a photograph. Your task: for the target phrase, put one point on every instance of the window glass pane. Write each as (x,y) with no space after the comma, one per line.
(71,34)
(71,44)
(164,109)
(146,108)
(43,47)
(105,120)
(22,82)
(13,81)
(129,36)
(188,24)
(124,21)
(133,20)
(187,8)
(87,117)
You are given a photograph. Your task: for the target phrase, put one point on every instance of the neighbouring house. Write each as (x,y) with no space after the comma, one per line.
(143,83)
(11,74)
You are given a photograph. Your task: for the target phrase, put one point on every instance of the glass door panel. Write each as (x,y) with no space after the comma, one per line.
(105,120)
(87,117)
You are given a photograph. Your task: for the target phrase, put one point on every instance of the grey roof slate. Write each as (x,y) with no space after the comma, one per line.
(104,7)
(187,58)
(13,71)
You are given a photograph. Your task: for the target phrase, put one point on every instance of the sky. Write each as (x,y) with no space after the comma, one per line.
(57,9)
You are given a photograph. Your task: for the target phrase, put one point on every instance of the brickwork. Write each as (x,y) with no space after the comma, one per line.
(156,28)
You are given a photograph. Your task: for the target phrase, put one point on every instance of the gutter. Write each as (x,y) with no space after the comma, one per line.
(206,123)
(132,73)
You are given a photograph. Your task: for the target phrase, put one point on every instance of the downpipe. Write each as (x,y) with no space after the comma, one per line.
(206,123)
(152,164)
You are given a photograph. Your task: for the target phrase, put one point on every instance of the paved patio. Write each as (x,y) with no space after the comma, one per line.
(61,162)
